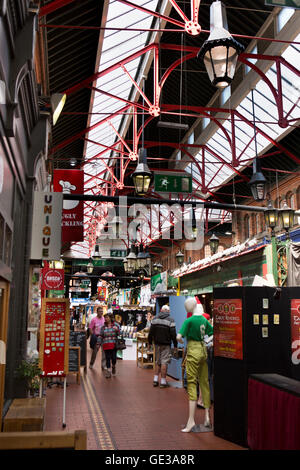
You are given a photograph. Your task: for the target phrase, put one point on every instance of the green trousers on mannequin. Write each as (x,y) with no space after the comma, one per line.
(197,372)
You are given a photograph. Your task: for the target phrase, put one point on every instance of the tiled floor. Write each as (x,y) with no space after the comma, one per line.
(127,413)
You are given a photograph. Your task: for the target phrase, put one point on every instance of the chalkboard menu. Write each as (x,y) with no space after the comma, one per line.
(74,359)
(78,338)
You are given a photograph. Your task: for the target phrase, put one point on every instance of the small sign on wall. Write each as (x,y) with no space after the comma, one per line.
(46,226)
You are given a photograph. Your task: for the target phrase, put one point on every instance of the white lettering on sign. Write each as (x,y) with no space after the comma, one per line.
(296,353)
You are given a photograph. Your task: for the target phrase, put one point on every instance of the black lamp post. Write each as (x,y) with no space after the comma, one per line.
(142,175)
(220,51)
(214,243)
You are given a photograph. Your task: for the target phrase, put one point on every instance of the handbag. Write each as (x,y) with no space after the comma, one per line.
(120,344)
(93,341)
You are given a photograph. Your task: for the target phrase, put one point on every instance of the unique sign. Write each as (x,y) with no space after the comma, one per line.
(52,279)
(46,226)
(228,332)
(283,3)
(70,182)
(54,334)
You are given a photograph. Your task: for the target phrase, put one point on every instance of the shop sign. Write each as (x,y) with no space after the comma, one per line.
(52,279)
(228,330)
(70,182)
(46,226)
(295,330)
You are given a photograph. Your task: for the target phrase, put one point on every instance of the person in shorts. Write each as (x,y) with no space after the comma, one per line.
(162,333)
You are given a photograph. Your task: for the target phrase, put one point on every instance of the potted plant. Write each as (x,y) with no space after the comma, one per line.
(29,372)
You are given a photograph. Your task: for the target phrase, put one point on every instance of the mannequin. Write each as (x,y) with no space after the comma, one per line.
(194,328)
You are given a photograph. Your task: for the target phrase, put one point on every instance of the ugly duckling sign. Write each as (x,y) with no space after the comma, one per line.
(70,182)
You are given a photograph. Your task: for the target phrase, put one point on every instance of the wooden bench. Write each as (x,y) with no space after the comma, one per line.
(43,440)
(25,414)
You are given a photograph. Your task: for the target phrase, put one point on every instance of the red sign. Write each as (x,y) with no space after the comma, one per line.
(70,182)
(54,335)
(295,330)
(228,331)
(53,279)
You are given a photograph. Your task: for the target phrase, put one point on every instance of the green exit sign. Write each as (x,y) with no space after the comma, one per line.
(283,3)
(172,183)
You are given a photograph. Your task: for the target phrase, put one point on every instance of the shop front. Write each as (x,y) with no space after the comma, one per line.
(239,270)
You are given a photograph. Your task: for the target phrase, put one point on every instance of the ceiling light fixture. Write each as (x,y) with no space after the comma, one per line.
(220,51)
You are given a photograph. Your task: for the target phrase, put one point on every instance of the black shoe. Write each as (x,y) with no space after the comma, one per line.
(155,384)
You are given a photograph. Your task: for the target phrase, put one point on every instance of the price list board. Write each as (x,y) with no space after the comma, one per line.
(54,334)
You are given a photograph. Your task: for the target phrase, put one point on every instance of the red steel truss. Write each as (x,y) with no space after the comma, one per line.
(127,150)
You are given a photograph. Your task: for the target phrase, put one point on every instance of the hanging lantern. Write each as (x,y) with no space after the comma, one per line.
(286,215)
(90,267)
(271,216)
(141,258)
(125,265)
(214,243)
(142,175)
(131,260)
(180,258)
(220,51)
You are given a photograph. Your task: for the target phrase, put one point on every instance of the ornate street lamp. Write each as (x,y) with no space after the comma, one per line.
(220,51)
(271,216)
(180,258)
(142,175)
(214,243)
(286,215)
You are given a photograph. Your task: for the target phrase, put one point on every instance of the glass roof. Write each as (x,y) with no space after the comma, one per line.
(118,45)
(266,116)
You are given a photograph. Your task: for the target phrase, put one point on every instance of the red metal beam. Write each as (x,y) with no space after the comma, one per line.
(53,6)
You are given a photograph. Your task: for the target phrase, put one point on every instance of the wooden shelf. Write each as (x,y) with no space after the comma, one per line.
(143,353)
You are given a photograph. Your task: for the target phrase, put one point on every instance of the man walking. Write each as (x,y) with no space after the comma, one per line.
(95,326)
(162,333)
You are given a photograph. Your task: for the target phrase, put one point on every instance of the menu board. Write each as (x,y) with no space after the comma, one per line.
(228,331)
(54,334)
(295,330)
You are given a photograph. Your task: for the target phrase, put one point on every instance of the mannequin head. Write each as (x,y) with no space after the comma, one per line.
(190,304)
(198,310)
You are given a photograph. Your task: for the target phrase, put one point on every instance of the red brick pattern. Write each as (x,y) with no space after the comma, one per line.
(127,413)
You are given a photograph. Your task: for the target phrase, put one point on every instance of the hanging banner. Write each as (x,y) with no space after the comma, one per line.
(70,182)
(159,283)
(228,331)
(54,337)
(295,330)
(53,279)
(46,226)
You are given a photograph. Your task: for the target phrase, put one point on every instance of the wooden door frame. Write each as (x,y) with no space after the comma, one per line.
(3,337)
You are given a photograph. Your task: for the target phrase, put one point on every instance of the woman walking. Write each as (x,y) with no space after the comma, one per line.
(108,337)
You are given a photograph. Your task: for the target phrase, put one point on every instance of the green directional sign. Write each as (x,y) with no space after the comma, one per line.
(172,183)
(283,3)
